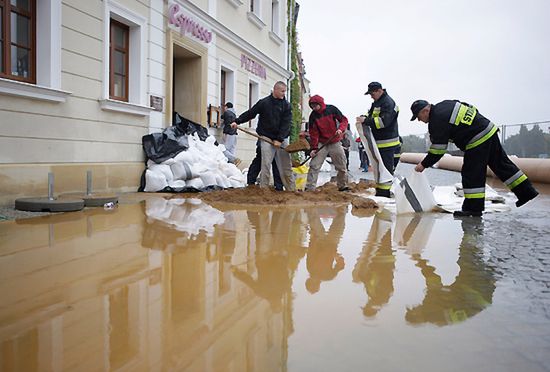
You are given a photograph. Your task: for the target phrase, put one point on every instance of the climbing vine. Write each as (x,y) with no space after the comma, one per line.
(295,87)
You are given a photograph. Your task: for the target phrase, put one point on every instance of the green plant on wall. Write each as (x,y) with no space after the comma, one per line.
(295,87)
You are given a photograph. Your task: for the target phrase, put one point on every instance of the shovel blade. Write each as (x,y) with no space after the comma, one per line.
(300,145)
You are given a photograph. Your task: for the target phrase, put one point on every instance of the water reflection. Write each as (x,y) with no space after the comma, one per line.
(324,262)
(470,293)
(376,264)
(270,276)
(180,285)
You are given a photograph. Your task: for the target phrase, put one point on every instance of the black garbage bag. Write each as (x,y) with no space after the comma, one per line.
(189,127)
(159,147)
(171,141)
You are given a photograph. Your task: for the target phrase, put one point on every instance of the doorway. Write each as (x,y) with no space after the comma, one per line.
(187,83)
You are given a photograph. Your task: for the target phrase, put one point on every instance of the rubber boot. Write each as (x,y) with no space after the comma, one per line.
(383,193)
(525,192)
(463,213)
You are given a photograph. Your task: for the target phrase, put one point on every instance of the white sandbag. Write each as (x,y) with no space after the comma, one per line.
(154,181)
(236,183)
(177,184)
(200,167)
(188,157)
(229,170)
(210,140)
(413,194)
(168,161)
(183,171)
(208,178)
(195,182)
(164,169)
(381,173)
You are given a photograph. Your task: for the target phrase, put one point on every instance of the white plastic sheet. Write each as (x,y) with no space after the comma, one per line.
(413,194)
(381,173)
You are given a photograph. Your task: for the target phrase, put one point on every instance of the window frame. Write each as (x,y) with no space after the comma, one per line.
(7,41)
(112,49)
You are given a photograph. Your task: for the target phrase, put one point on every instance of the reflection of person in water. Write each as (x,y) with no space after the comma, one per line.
(323,260)
(376,264)
(471,292)
(273,279)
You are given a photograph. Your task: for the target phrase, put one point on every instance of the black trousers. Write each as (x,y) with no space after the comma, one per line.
(474,173)
(387,159)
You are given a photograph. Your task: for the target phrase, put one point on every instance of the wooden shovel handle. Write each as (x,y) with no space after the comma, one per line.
(268,140)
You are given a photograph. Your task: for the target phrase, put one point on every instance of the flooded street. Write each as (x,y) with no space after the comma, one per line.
(180,285)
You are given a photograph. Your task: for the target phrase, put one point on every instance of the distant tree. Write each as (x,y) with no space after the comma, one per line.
(528,143)
(413,143)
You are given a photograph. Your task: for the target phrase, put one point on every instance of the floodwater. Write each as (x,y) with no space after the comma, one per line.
(179,285)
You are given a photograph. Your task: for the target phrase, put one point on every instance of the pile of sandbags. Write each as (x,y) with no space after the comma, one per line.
(201,166)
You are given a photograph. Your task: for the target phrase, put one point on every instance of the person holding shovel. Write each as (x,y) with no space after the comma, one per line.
(326,128)
(275,115)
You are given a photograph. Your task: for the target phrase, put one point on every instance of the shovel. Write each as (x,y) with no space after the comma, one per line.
(324,144)
(300,145)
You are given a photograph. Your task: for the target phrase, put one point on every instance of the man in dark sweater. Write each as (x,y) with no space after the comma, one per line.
(229,134)
(274,123)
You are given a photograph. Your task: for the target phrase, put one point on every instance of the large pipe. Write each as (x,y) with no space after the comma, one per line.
(538,170)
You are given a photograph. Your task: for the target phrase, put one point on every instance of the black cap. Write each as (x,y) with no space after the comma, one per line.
(373,86)
(417,106)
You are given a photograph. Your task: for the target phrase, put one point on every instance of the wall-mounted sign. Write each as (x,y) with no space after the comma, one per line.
(253,67)
(187,25)
(156,103)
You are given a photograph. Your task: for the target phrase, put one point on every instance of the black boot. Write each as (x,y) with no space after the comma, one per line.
(525,192)
(463,213)
(383,193)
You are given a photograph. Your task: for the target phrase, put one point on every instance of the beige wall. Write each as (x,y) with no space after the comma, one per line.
(38,136)
(236,19)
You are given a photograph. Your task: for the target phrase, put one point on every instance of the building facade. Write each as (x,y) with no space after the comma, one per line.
(82,81)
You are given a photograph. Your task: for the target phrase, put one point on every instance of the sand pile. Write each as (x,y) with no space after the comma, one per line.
(327,193)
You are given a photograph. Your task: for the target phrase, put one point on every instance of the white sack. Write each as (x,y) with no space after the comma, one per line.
(381,173)
(183,171)
(413,194)
(154,181)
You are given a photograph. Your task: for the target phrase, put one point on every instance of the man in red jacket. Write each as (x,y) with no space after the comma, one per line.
(326,127)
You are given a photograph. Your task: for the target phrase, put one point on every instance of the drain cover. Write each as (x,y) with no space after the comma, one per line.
(49,205)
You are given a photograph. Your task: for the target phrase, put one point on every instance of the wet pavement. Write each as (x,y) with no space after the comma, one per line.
(180,285)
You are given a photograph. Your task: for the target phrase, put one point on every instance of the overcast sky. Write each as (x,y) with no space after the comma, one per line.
(494,54)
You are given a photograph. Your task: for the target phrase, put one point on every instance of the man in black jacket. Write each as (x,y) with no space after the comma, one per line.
(461,123)
(382,120)
(274,123)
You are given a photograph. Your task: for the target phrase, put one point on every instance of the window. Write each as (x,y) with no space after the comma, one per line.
(18,40)
(253,96)
(275,17)
(125,56)
(119,61)
(255,13)
(223,87)
(227,84)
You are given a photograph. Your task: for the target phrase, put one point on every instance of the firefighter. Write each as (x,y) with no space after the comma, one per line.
(382,119)
(461,123)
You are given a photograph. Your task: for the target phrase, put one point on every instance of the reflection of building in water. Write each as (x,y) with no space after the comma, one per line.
(471,292)
(323,260)
(85,294)
(376,264)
